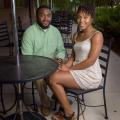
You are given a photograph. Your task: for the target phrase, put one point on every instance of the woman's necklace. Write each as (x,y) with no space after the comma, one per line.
(84,36)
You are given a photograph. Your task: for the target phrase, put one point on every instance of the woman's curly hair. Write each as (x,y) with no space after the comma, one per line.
(88,9)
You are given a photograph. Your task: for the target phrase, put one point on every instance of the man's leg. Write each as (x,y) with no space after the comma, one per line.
(45,102)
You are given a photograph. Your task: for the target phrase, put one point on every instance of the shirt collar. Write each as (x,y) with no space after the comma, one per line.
(44,30)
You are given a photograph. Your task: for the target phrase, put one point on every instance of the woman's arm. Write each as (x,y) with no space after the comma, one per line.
(96,45)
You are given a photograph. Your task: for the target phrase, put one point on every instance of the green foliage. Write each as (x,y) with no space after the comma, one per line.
(108,21)
(20,3)
(62,6)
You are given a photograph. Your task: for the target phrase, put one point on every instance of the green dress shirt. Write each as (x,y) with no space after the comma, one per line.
(48,42)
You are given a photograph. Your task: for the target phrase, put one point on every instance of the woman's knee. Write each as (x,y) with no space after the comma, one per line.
(56,79)
(52,80)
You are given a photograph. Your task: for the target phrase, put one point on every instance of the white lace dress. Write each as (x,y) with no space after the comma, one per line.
(90,77)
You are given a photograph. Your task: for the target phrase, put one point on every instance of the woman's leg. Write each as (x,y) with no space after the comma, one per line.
(57,82)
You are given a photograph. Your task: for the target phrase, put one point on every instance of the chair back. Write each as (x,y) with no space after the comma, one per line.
(4,35)
(104,59)
(56,21)
(66,26)
(20,35)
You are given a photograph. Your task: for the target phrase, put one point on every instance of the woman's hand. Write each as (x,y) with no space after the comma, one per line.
(69,63)
(63,67)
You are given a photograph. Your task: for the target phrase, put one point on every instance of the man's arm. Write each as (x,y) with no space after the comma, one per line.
(27,45)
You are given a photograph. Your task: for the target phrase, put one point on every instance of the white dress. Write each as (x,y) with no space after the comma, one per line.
(90,77)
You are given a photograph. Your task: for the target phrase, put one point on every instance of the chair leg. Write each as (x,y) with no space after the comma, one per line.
(83,97)
(2,101)
(105,107)
(33,104)
(55,102)
(78,108)
(33,96)
(10,51)
(55,106)
(82,112)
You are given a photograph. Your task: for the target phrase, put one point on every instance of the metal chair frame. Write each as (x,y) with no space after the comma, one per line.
(4,109)
(4,38)
(78,94)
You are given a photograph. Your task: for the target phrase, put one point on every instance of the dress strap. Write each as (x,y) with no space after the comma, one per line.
(94,34)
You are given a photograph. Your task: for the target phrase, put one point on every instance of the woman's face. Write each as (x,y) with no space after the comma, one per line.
(84,20)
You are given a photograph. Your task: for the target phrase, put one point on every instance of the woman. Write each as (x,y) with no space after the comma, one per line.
(83,70)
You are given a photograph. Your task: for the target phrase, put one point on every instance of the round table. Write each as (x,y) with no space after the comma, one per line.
(31,68)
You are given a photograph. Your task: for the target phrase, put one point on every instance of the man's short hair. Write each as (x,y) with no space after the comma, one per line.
(41,7)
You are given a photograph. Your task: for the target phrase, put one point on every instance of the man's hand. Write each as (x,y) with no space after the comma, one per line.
(59,61)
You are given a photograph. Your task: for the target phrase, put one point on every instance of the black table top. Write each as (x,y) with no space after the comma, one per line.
(31,68)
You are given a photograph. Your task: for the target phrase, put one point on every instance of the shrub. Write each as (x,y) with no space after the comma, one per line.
(108,21)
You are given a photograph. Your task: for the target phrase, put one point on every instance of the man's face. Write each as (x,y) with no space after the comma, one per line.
(44,17)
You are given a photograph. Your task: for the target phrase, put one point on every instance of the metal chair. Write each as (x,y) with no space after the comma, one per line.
(56,21)
(66,29)
(20,34)
(78,94)
(5,42)
(2,102)
(4,38)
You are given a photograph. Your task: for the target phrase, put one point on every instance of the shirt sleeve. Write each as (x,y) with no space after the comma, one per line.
(60,47)
(27,46)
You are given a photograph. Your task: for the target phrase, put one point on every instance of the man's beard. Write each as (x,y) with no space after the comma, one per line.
(42,26)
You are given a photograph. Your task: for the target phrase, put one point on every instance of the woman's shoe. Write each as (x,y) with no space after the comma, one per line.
(61,116)
(71,117)
(58,116)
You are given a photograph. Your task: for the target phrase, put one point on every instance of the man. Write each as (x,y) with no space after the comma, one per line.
(43,39)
